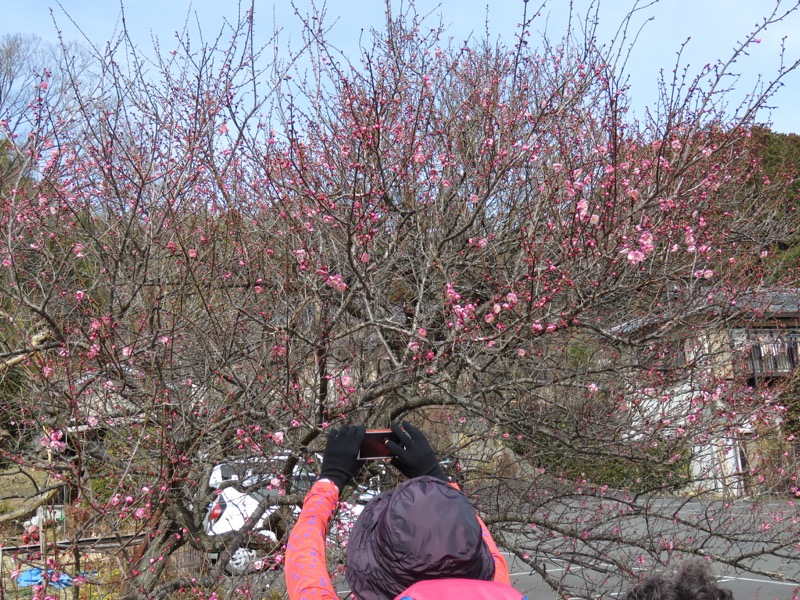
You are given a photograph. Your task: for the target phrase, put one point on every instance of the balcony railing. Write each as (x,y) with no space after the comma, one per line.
(772,352)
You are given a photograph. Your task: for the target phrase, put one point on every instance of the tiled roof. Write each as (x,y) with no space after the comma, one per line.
(777,303)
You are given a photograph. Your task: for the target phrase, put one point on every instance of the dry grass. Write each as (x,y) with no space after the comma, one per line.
(14,483)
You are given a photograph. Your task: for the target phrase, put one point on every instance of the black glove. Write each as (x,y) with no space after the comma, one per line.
(413,456)
(340,460)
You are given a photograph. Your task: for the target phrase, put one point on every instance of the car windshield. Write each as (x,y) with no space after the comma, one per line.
(261,475)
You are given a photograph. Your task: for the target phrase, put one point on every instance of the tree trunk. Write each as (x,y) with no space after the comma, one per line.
(150,560)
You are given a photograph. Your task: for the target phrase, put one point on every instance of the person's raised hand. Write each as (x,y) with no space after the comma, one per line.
(413,455)
(340,460)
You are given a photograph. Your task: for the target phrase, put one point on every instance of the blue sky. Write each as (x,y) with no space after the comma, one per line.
(714,27)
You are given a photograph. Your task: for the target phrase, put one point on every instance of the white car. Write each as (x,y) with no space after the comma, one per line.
(231,507)
(257,477)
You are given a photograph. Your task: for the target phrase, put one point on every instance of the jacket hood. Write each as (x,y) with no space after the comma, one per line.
(424,529)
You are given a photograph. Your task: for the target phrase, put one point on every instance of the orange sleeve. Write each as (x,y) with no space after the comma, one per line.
(500,567)
(305,570)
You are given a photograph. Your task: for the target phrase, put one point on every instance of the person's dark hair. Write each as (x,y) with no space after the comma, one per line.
(692,581)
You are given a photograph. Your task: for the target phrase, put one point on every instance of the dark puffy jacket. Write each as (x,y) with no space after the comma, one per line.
(424,529)
(306,571)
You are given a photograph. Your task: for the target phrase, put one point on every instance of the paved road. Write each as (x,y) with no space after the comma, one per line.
(744,586)
(737,520)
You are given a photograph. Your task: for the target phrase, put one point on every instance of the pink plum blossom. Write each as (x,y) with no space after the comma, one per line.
(635,256)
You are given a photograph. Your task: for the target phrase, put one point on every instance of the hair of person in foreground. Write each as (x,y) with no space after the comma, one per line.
(692,581)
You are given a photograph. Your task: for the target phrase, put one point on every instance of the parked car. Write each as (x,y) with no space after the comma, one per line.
(257,479)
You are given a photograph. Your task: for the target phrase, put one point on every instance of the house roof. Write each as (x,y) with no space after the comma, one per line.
(770,303)
(773,303)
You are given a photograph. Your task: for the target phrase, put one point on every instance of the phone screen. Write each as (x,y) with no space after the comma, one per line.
(374,445)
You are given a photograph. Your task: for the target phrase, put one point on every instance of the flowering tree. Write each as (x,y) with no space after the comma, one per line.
(215,259)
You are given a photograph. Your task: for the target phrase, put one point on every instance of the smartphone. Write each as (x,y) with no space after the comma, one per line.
(374,445)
